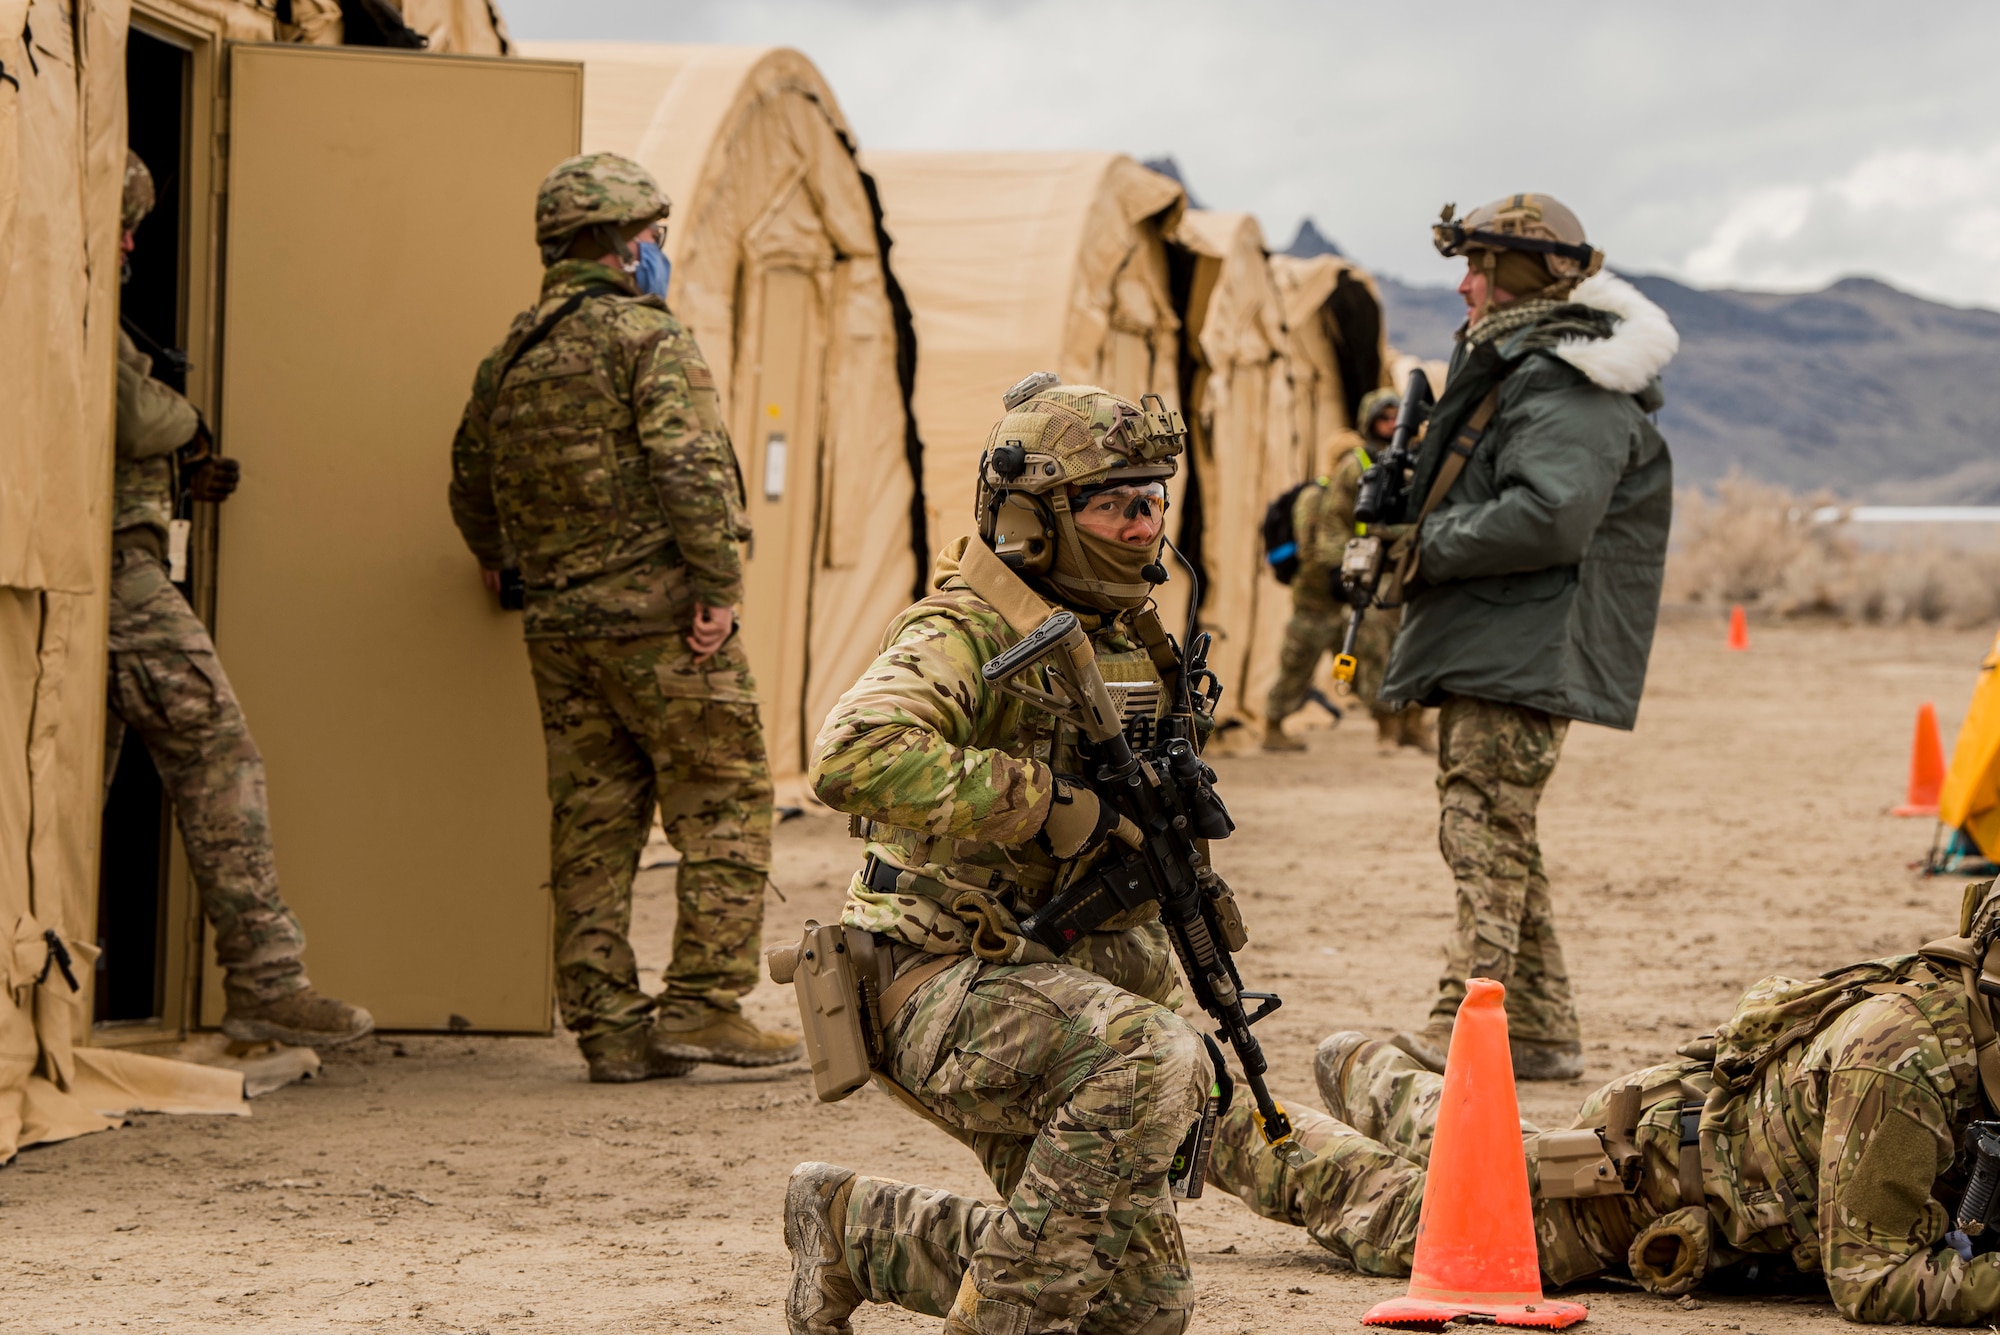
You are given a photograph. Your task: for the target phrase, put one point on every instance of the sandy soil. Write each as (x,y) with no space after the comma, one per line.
(479,1184)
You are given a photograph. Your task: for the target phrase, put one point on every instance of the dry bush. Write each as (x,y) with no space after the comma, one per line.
(1752,543)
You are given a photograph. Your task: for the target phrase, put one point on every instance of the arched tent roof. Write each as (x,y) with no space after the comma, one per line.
(779,268)
(1238,411)
(1335,352)
(1020,262)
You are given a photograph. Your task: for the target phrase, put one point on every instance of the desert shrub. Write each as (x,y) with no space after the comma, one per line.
(1750,542)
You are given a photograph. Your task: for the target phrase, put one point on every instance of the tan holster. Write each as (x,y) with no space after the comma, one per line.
(846,991)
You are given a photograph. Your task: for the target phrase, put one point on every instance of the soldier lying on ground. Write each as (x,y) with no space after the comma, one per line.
(167,684)
(1072,1079)
(1820,1126)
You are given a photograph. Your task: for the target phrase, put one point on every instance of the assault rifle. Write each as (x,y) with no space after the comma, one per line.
(1982,1188)
(1168,794)
(1384,498)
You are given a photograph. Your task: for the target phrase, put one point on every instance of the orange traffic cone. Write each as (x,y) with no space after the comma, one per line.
(1739,628)
(1926,767)
(1476,1235)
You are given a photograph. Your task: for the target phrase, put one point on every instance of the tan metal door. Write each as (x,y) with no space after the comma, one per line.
(380,239)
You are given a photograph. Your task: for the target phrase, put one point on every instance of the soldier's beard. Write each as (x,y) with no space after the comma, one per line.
(1102,573)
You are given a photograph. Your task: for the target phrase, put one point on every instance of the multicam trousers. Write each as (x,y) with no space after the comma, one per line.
(1074,1093)
(625,733)
(1493,762)
(167,685)
(1361,1194)
(1315,630)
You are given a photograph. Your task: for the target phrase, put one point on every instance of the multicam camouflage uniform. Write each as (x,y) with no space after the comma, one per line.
(598,464)
(1493,762)
(167,684)
(1835,1153)
(1072,1080)
(1323,517)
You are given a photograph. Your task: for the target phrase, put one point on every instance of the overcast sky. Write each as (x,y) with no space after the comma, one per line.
(1752,143)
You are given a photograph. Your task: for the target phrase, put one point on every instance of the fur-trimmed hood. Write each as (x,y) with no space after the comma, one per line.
(1642,341)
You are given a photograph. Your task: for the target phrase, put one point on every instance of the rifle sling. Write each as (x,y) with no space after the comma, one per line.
(547,327)
(1456,455)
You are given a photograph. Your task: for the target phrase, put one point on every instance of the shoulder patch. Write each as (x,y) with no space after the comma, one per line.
(698,375)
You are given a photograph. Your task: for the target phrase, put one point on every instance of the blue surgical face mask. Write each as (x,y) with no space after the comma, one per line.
(654,267)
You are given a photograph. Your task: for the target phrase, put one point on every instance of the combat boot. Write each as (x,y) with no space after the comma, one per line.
(628,1055)
(305,1018)
(1428,1046)
(1546,1061)
(1277,739)
(823,1292)
(1388,733)
(699,1032)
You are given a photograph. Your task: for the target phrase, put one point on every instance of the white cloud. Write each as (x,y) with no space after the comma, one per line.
(1927,219)
(1791,141)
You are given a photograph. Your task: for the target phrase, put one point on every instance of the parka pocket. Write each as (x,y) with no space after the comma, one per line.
(1529,586)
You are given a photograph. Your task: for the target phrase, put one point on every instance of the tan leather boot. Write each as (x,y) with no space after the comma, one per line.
(1277,739)
(305,1018)
(823,1292)
(1428,1045)
(698,1032)
(628,1055)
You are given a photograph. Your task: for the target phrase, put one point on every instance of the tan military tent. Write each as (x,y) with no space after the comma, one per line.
(64,123)
(779,268)
(1336,351)
(1020,262)
(1242,438)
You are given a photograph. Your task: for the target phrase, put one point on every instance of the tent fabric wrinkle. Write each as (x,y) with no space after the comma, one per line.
(780,270)
(1970,798)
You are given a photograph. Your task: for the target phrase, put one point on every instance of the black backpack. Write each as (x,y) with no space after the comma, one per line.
(1281,540)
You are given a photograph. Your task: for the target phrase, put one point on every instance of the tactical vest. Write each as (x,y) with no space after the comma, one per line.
(572,481)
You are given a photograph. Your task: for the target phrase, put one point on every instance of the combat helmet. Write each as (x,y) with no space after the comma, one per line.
(594,190)
(1056,437)
(1544,236)
(138,197)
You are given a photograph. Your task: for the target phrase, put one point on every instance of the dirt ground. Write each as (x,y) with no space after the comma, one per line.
(480,1184)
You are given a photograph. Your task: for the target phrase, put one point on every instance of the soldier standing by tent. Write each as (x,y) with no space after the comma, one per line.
(1071,1078)
(593,458)
(1323,519)
(169,686)
(1540,547)
(1825,1127)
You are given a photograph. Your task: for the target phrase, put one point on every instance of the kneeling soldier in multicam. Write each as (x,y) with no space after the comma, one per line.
(1830,1126)
(1071,1078)
(592,457)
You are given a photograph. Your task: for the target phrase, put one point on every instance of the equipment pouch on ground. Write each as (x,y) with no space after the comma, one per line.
(837,992)
(1573,1165)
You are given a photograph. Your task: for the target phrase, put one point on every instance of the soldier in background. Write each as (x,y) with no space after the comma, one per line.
(168,685)
(1071,1078)
(593,458)
(1323,519)
(1535,585)
(1818,1131)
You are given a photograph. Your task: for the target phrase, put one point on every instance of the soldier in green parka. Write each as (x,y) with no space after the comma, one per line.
(1072,1078)
(1535,587)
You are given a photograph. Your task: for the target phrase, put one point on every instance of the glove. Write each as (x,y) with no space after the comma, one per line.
(215,479)
(1079,821)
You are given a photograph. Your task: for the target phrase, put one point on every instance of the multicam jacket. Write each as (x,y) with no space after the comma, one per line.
(595,459)
(1838,1153)
(153,422)
(950,780)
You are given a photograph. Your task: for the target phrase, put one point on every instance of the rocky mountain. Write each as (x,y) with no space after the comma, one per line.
(1859,388)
